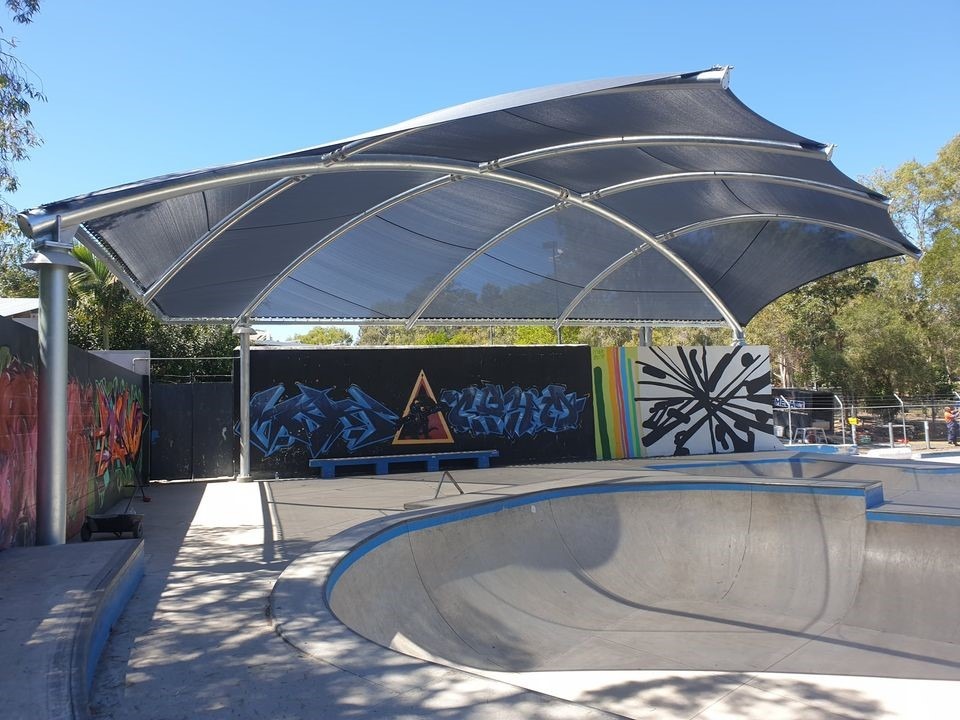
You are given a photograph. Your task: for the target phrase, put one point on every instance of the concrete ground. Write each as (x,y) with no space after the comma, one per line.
(197,640)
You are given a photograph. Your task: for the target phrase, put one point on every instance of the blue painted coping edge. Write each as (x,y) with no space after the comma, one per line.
(727,463)
(918,468)
(913,518)
(488,508)
(116,595)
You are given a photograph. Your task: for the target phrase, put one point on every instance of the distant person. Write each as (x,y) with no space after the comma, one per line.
(950,418)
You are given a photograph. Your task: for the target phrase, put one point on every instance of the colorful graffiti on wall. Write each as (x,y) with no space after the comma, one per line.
(105,422)
(317,421)
(118,427)
(617,431)
(512,413)
(314,419)
(700,400)
(18,450)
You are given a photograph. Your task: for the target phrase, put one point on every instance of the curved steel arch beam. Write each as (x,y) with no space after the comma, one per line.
(258,200)
(671,256)
(600,277)
(350,224)
(456,169)
(95,206)
(716,222)
(38,221)
(850,193)
(475,255)
(746,217)
(822,152)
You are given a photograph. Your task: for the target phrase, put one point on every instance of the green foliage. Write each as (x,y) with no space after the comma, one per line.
(16,280)
(103,316)
(95,293)
(322,335)
(477,335)
(691,336)
(890,326)
(535,335)
(17,90)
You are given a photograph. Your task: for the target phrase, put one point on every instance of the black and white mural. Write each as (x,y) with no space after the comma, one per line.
(701,400)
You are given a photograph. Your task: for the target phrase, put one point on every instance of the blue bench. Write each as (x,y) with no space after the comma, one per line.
(382,463)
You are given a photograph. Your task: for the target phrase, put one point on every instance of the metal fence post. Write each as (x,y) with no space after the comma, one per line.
(903,418)
(789,419)
(843,419)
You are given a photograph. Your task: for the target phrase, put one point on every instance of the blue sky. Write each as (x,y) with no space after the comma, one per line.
(139,89)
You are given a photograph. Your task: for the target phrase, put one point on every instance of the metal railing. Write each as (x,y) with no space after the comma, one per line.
(894,418)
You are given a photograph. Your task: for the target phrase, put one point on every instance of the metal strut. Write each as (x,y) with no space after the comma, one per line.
(447,474)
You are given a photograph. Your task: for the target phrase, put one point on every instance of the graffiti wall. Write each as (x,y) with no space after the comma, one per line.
(530,403)
(702,400)
(105,425)
(617,433)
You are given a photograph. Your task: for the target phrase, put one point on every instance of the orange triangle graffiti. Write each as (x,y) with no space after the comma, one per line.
(422,421)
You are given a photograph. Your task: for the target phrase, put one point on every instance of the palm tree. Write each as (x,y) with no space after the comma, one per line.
(96,290)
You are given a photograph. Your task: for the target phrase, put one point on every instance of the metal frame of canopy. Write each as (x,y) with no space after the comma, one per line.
(277,178)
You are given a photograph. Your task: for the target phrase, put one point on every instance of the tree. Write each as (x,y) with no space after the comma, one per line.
(103,316)
(806,343)
(940,279)
(96,292)
(15,279)
(691,336)
(17,90)
(322,335)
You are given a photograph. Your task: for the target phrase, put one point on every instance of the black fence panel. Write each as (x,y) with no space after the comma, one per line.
(213,430)
(191,431)
(171,431)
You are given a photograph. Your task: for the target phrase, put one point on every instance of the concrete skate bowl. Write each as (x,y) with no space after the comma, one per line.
(898,477)
(716,576)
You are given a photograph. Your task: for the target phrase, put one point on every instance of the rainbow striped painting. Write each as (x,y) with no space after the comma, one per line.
(614,403)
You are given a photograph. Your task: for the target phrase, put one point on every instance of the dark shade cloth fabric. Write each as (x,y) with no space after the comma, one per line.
(645,200)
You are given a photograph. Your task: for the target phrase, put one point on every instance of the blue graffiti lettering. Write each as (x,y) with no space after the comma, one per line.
(317,421)
(516,413)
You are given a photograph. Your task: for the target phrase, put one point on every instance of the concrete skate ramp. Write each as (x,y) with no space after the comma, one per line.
(898,477)
(635,575)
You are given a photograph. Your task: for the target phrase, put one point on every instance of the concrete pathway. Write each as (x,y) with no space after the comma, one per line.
(196,640)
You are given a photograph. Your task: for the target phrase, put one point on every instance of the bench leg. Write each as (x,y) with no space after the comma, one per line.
(433,465)
(327,471)
(383,468)
(483,461)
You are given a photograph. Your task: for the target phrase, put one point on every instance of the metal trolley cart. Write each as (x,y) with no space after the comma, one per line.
(116,523)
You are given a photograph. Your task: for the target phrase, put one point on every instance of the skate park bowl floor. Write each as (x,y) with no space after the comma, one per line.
(661,596)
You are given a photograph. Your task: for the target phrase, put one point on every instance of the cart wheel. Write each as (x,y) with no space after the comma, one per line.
(85,532)
(138,530)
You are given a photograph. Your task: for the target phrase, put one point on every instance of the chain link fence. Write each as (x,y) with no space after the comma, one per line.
(879,420)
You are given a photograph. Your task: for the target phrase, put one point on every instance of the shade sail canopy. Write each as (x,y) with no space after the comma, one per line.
(645,200)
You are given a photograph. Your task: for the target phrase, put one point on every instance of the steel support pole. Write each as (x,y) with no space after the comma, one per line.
(244,331)
(53,261)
